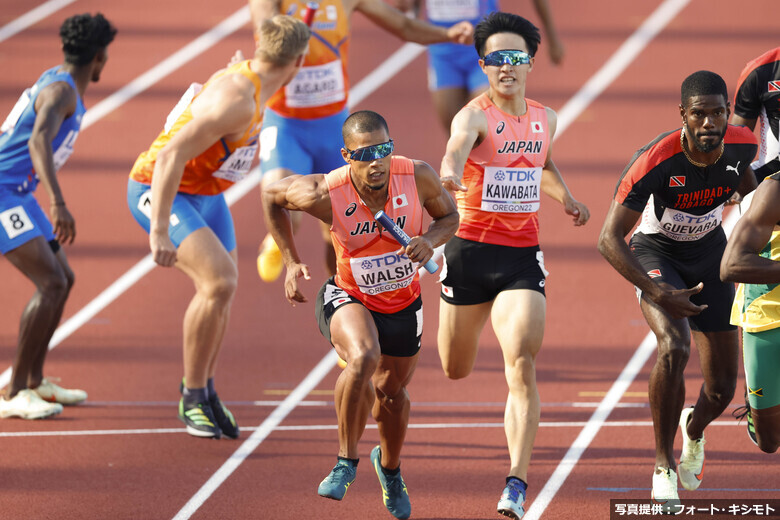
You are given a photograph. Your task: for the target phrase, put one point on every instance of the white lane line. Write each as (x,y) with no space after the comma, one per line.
(169,65)
(31,17)
(103,108)
(320,427)
(570,111)
(258,436)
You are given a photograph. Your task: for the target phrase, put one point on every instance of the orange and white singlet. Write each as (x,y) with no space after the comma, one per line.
(368,267)
(503,176)
(224,162)
(321,86)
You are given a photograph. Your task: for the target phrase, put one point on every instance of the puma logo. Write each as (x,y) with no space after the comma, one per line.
(734,168)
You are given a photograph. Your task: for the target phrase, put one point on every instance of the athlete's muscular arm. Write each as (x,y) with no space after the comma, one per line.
(295,193)
(748,182)
(263,10)
(55,103)
(224,109)
(612,245)
(553,184)
(741,261)
(468,130)
(440,205)
(741,121)
(410,29)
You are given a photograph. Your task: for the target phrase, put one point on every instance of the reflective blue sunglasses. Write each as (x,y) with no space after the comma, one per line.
(507,57)
(371,153)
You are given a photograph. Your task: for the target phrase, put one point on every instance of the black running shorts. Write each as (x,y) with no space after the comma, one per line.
(685,273)
(475,272)
(400,333)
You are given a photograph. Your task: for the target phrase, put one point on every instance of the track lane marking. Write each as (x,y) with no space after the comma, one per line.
(31,17)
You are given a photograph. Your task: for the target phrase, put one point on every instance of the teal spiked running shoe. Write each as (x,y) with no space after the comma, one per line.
(336,484)
(394,492)
(512,500)
(199,419)
(224,417)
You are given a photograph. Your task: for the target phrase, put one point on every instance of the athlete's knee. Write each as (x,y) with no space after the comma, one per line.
(520,372)
(767,430)
(392,397)
(673,351)
(222,287)
(722,391)
(455,370)
(55,286)
(769,442)
(363,360)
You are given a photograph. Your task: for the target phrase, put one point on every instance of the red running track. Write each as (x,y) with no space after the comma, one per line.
(124,454)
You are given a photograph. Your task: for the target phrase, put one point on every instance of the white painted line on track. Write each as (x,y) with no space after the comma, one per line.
(106,106)
(628,51)
(258,436)
(320,427)
(615,66)
(31,17)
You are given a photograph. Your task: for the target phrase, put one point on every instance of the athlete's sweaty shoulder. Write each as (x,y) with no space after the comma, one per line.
(469,125)
(552,121)
(58,96)
(228,101)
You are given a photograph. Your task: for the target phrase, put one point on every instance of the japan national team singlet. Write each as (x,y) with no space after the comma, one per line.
(223,163)
(368,267)
(682,204)
(16,168)
(758,97)
(503,176)
(321,86)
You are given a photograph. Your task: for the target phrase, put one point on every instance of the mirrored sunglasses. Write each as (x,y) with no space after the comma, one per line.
(508,57)
(370,153)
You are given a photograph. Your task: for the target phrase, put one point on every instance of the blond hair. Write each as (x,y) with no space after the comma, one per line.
(281,39)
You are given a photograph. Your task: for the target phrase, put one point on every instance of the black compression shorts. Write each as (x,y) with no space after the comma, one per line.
(475,272)
(400,333)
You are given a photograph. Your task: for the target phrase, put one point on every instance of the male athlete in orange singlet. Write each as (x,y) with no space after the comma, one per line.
(371,311)
(499,160)
(175,192)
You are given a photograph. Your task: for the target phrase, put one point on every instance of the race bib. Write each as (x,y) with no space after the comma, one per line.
(316,86)
(679,225)
(511,190)
(182,105)
(65,149)
(452,10)
(16,111)
(237,166)
(15,221)
(382,273)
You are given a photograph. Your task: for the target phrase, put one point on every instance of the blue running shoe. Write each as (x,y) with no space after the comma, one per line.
(394,492)
(339,479)
(512,500)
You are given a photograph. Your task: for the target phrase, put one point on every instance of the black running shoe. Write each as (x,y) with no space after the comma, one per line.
(745,411)
(199,419)
(224,417)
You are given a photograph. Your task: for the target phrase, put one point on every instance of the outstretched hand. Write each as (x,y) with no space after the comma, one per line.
(452,183)
(578,210)
(462,32)
(291,291)
(678,304)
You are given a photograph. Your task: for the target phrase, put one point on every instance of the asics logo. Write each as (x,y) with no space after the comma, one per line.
(500,127)
(733,168)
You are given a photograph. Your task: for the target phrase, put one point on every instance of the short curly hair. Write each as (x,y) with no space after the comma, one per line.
(83,35)
(702,83)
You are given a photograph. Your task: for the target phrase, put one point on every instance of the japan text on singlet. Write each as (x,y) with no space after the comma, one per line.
(757,305)
(368,267)
(321,86)
(503,176)
(16,168)
(682,203)
(224,162)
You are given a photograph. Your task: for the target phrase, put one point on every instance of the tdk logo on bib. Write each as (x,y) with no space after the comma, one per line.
(382,273)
